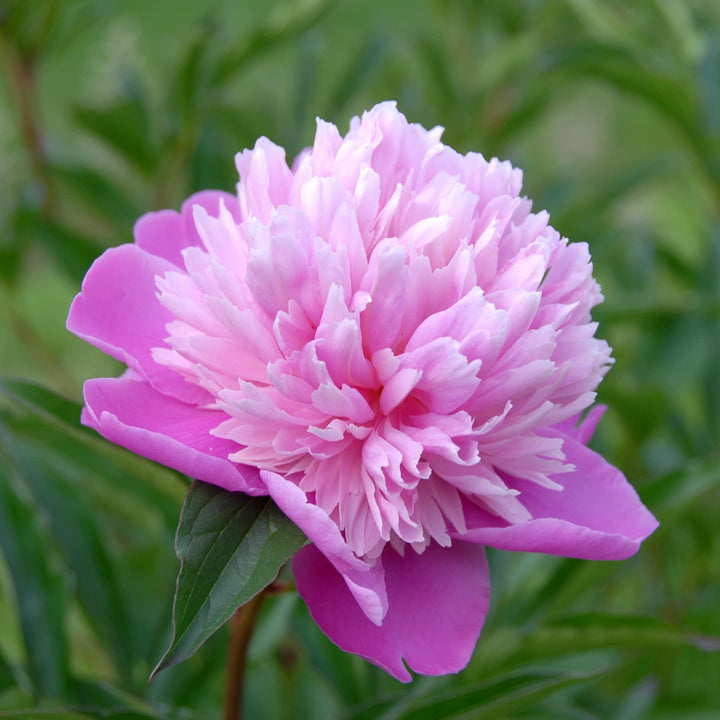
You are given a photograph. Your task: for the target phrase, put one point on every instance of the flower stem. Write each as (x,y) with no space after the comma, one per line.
(241,627)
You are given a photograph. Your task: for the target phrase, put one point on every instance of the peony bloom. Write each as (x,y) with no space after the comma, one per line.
(388,342)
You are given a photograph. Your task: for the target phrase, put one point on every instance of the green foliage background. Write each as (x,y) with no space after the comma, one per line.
(111,108)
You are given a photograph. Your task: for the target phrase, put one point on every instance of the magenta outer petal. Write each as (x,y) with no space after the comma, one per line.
(437,607)
(166,233)
(597,516)
(118,312)
(162,233)
(210,201)
(364,581)
(584,430)
(130,413)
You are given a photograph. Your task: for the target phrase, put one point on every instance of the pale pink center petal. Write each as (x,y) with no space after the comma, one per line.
(389,327)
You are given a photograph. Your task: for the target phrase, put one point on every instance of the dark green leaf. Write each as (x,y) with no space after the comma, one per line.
(358,72)
(78,537)
(6,675)
(495,698)
(73,250)
(124,127)
(39,588)
(39,399)
(50,714)
(284,24)
(595,630)
(99,194)
(231,546)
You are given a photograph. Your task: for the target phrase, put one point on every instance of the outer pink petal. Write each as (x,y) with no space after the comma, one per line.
(364,581)
(130,413)
(584,430)
(166,233)
(162,233)
(437,607)
(597,516)
(210,200)
(118,312)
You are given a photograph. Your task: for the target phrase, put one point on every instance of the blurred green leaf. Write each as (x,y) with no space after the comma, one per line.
(124,127)
(6,675)
(32,405)
(231,546)
(98,194)
(39,587)
(678,489)
(39,399)
(495,698)
(90,490)
(55,714)
(285,22)
(359,71)
(190,81)
(74,251)
(49,714)
(78,537)
(584,633)
(29,26)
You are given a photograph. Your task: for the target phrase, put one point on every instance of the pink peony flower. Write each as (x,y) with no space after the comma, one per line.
(388,342)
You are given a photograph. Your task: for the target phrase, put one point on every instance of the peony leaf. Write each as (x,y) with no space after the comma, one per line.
(38,399)
(498,697)
(39,586)
(230,546)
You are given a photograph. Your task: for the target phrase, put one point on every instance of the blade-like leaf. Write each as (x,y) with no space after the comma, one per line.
(495,698)
(231,546)
(285,23)
(39,399)
(123,127)
(39,588)
(76,530)
(595,631)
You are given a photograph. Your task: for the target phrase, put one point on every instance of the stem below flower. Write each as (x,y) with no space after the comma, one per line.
(241,627)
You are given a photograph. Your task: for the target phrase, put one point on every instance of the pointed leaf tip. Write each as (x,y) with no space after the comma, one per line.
(231,546)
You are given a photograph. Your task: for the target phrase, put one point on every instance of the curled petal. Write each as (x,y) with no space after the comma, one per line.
(131,413)
(597,515)
(437,607)
(118,312)
(363,580)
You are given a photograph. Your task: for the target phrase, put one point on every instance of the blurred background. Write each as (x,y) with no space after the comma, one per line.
(111,108)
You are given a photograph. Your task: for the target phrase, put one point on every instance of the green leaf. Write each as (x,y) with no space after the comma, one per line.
(285,23)
(230,546)
(39,412)
(39,399)
(124,127)
(56,714)
(73,251)
(77,533)
(495,698)
(99,194)
(7,678)
(50,714)
(595,631)
(39,588)
(358,73)
(108,510)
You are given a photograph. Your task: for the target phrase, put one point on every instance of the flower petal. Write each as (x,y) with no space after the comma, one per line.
(363,580)
(118,312)
(437,606)
(597,516)
(210,201)
(129,412)
(166,233)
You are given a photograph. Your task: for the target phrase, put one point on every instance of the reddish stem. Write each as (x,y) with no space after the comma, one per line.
(241,627)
